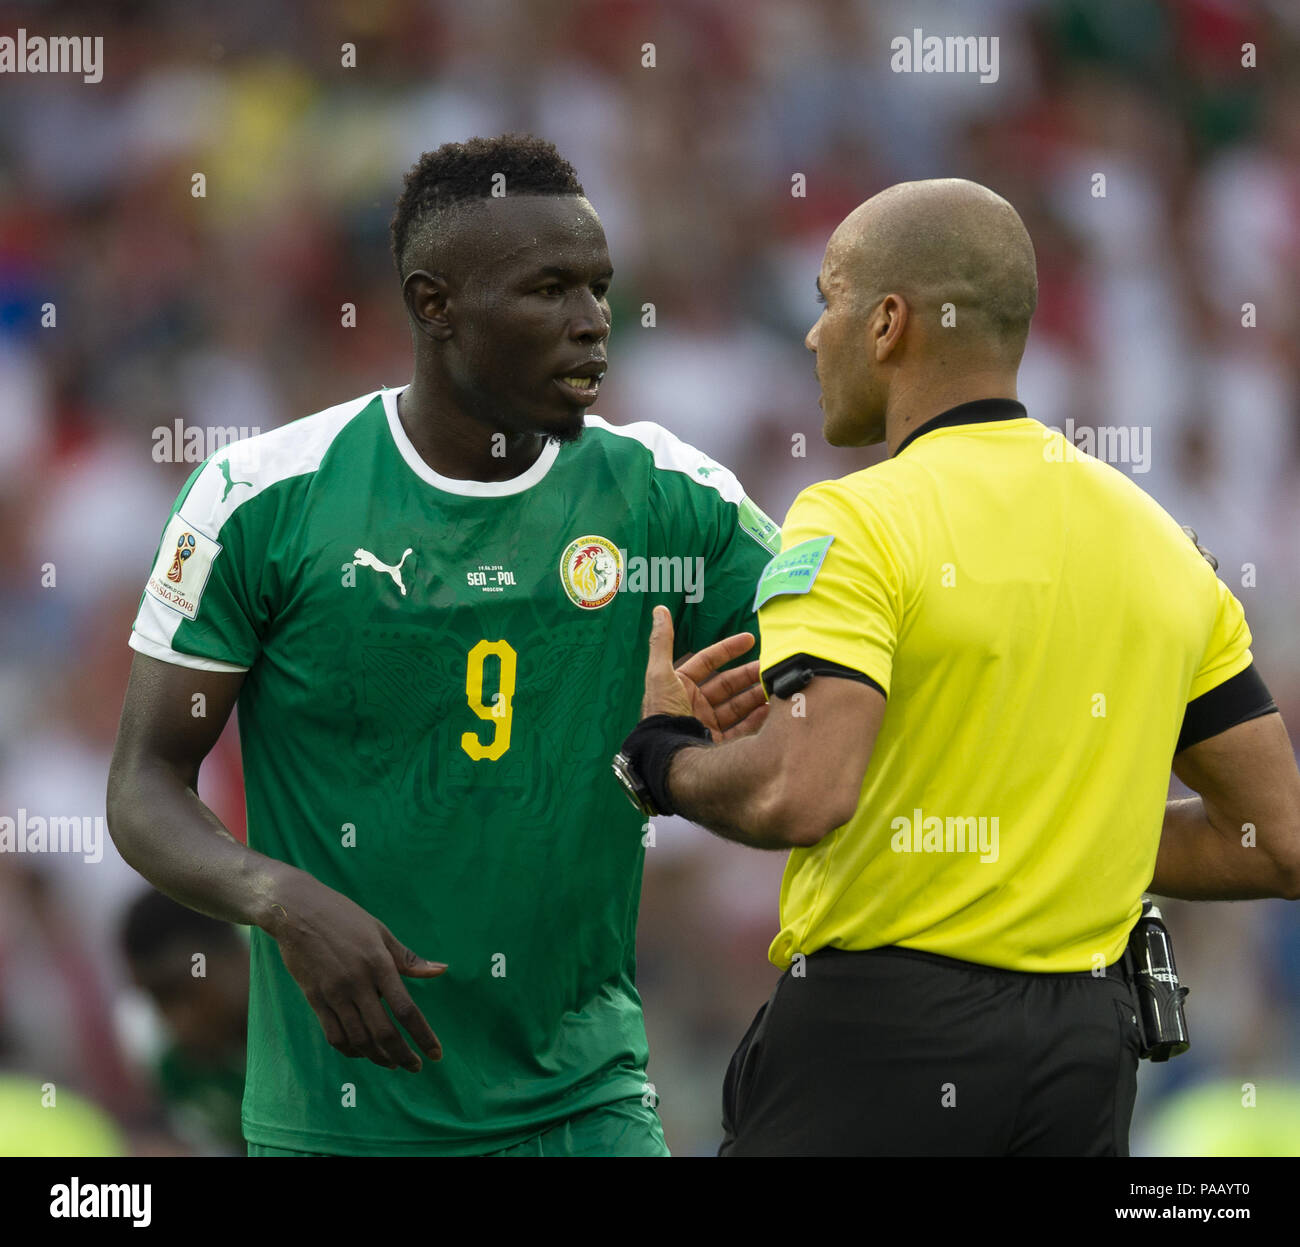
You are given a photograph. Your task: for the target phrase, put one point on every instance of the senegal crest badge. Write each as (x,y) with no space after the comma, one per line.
(591,571)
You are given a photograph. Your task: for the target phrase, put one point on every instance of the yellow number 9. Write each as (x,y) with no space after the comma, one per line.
(501,713)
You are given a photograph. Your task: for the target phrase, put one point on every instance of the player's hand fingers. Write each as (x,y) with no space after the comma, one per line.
(385,1039)
(362,1040)
(708,660)
(356,1039)
(330,1025)
(684,659)
(409,963)
(409,1018)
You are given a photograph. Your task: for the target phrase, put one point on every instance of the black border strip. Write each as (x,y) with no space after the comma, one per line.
(981,411)
(1239,699)
(800,669)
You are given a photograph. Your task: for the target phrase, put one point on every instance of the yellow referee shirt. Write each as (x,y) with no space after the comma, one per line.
(1038,624)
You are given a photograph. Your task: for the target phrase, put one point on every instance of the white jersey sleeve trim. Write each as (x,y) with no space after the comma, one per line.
(239,471)
(164,653)
(245,468)
(675,455)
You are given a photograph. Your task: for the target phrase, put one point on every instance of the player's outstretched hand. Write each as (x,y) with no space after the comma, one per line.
(347,962)
(729,703)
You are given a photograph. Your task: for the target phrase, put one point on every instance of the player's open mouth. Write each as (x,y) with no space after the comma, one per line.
(580,389)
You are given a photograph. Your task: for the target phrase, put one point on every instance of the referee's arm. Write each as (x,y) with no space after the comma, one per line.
(793,782)
(1239,838)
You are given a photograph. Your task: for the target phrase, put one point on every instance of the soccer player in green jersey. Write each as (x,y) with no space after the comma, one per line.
(430,604)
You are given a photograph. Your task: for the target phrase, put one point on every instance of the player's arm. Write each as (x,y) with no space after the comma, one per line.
(1239,838)
(342,958)
(711,523)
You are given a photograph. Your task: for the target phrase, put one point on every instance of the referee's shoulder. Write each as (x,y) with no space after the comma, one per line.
(874,488)
(1142,515)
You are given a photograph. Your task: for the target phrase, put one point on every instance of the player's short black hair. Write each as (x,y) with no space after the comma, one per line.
(459,172)
(154,922)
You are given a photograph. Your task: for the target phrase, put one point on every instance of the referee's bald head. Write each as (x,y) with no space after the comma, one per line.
(926,284)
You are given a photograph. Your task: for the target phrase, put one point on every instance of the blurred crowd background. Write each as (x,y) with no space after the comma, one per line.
(226,311)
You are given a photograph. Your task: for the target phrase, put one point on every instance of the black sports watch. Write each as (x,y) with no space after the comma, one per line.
(632,783)
(641,765)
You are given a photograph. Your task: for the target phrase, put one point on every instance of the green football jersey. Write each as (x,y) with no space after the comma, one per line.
(439,672)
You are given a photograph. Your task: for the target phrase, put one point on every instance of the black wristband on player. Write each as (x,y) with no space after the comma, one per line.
(650,747)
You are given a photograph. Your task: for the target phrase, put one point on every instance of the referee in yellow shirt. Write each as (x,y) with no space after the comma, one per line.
(982,656)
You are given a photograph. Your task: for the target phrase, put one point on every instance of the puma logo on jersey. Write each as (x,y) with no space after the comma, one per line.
(224,465)
(364,558)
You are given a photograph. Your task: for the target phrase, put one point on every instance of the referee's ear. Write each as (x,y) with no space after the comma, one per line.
(886,330)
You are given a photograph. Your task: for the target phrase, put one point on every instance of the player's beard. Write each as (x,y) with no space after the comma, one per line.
(484,406)
(570,432)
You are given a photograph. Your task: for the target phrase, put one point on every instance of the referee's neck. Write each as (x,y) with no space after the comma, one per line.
(916,403)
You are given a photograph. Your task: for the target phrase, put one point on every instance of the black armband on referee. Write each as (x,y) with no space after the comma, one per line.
(1243,697)
(642,764)
(785,678)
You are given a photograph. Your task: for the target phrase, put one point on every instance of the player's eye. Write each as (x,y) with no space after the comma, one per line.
(552,288)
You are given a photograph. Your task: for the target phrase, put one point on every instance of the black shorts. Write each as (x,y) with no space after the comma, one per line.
(895,1052)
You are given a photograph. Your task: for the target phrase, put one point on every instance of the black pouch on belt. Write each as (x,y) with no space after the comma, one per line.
(1158,995)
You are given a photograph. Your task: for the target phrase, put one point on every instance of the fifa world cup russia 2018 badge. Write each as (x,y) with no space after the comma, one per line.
(184,548)
(591,571)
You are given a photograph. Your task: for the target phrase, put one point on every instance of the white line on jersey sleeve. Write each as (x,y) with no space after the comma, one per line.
(164,653)
(677,456)
(232,476)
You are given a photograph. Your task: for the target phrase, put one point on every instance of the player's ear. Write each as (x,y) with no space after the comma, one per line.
(426,295)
